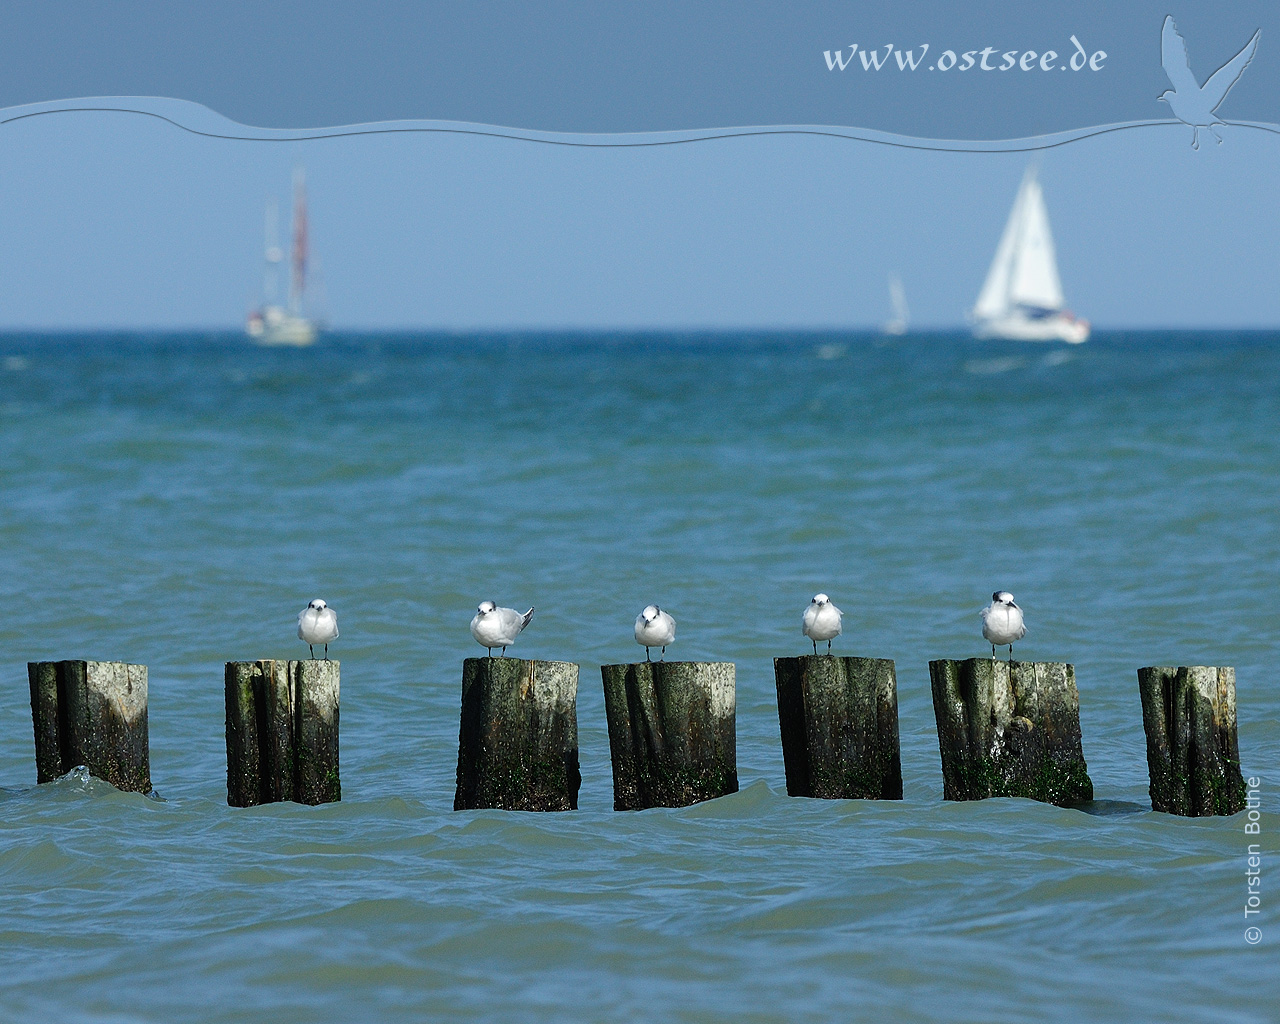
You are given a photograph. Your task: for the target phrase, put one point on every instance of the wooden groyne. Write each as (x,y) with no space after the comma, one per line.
(839,722)
(282,732)
(518,735)
(1009,730)
(1193,756)
(91,714)
(672,732)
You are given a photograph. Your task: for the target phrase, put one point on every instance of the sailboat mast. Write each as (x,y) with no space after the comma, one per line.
(271,254)
(297,282)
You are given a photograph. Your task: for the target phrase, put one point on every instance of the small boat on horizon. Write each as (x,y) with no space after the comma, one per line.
(1021,299)
(271,323)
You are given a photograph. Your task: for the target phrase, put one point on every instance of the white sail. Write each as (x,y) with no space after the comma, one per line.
(1022,299)
(897,296)
(993,300)
(1034,279)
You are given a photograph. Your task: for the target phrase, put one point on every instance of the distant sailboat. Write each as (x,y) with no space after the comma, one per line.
(898,325)
(273,324)
(1022,299)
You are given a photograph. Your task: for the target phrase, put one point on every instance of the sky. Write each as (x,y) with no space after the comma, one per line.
(119,221)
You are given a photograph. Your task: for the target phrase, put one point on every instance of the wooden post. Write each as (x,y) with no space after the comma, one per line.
(1193,755)
(1009,730)
(91,713)
(839,723)
(518,735)
(282,732)
(671,732)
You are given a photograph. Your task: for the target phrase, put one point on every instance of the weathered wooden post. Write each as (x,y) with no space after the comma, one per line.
(518,735)
(1009,730)
(839,723)
(282,732)
(91,713)
(672,732)
(1189,714)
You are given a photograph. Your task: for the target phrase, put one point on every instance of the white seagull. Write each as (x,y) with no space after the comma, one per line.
(498,627)
(1191,102)
(654,628)
(822,621)
(317,624)
(1002,622)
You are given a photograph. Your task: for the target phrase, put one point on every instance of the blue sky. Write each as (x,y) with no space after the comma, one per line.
(119,221)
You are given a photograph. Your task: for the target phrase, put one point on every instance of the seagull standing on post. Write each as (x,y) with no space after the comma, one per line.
(822,621)
(317,624)
(498,627)
(654,628)
(1191,102)
(1002,622)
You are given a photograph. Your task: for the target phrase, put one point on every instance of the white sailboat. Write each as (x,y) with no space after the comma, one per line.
(274,324)
(898,325)
(1021,299)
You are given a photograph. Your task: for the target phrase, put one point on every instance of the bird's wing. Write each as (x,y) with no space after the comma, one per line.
(1173,57)
(526,618)
(1220,82)
(509,622)
(806,623)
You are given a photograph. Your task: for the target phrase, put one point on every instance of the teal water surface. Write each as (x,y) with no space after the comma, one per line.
(176,500)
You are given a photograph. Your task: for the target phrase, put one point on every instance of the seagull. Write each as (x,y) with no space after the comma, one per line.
(317,624)
(1192,103)
(821,621)
(497,627)
(654,628)
(1002,622)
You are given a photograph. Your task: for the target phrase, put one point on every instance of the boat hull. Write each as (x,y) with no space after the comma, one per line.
(1059,327)
(275,327)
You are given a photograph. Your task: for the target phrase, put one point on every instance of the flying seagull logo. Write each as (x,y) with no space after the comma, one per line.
(1192,103)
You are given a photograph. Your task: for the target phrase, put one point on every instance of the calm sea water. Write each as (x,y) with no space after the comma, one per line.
(176,500)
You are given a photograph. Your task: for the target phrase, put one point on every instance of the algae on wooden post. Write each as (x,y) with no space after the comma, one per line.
(672,732)
(315,732)
(1009,730)
(518,735)
(839,722)
(1193,754)
(91,713)
(282,732)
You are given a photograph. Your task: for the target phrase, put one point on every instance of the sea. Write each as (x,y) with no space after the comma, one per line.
(176,500)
